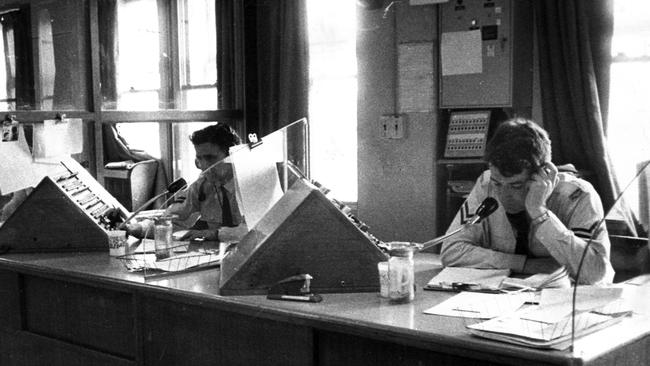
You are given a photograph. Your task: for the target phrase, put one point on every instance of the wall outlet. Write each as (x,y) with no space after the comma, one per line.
(392,126)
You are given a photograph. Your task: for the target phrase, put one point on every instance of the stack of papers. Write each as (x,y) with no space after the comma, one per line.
(495,280)
(539,281)
(517,330)
(549,325)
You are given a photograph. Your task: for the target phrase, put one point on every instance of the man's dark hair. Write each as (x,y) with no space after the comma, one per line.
(518,144)
(220,134)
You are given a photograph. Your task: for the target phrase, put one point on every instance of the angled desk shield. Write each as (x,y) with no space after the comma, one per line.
(302,233)
(61,214)
(298,231)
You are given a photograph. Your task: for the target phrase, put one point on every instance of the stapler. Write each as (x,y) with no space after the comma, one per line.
(294,288)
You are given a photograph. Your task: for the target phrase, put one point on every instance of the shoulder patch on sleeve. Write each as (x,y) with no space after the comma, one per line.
(576,194)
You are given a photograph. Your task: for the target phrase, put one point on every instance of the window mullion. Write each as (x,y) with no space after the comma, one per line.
(167,20)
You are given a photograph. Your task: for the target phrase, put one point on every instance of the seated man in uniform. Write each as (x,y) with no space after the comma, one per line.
(545,218)
(212,195)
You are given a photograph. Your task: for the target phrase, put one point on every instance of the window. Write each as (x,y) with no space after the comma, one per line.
(141,136)
(144,69)
(333,96)
(198,52)
(139,56)
(8,66)
(16,74)
(148,71)
(629,111)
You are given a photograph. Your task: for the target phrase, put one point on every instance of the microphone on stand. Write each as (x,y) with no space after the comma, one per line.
(485,209)
(175,187)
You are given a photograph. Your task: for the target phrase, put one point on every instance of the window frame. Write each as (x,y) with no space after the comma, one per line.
(95,117)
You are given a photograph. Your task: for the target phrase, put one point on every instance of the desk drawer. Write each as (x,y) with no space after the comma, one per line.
(180,334)
(24,348)
(10,303)
(97,318)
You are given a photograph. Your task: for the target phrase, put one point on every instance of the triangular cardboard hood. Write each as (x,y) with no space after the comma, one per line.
(51,219)
(302,233)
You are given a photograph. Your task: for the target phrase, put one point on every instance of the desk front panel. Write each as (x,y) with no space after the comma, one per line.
(96,318)
(10,317)
(182,319)
(184,334)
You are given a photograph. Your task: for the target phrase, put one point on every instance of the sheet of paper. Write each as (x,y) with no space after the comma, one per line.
(258,182)
(461,53)
(514,325)
(487,278)
(416,86)
(478,305)
(54,138)
(16,165)
(556,304)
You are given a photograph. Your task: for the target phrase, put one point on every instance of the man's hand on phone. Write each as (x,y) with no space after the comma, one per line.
(540,187)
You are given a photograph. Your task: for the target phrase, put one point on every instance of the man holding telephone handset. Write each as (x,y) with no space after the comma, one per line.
(545,218)
(211,197)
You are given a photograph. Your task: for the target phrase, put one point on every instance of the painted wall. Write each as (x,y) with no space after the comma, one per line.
(400,188)
(397,179)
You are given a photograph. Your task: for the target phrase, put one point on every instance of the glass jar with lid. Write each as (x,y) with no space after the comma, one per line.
(162,226)
(401,275)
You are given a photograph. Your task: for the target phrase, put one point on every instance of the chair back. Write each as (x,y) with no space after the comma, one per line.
(630,256)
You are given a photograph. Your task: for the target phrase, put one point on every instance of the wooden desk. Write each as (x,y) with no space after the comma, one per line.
(86,309)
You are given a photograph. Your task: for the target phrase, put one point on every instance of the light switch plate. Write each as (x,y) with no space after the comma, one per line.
(392,126)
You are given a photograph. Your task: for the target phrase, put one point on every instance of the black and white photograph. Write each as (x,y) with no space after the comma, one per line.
(325,182)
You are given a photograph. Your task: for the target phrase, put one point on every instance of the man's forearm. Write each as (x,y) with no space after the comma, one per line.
(540,265)
(463,254)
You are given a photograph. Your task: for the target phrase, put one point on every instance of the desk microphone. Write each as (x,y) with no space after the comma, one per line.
(487,207)
(175,187)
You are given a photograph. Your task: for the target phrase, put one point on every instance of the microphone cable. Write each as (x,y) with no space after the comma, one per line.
(584,252)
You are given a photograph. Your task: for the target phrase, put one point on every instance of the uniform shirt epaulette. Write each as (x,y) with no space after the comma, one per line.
(573,187)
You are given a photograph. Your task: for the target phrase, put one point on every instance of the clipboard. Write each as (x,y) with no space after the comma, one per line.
(457,279)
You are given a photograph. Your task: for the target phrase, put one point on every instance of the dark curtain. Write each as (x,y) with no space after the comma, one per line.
(282,61)
(574,38)
(228,67)
(107,20)
(18,23)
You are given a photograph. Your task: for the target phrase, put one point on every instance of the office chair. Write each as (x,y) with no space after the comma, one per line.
(630,256)
(132,184)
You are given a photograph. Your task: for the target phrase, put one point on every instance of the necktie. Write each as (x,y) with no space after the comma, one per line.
(519,222)
(226,213)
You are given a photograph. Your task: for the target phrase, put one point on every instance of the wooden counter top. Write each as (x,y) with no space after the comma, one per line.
(360,314)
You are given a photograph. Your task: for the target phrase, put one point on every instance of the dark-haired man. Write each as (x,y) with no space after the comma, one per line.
(545,218)
(212,196)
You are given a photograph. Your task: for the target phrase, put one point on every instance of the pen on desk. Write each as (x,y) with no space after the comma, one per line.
(304,298)
(466,311)
(465,286)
